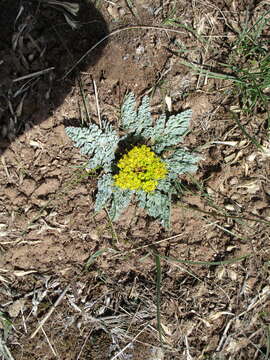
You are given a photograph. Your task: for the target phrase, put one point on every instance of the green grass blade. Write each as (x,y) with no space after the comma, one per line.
(174,22)
(251,138)
(211,74)
(112,228)
(6,325)
(93,257)
(158,288)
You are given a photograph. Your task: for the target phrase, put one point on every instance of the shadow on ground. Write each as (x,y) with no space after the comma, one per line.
(38,45)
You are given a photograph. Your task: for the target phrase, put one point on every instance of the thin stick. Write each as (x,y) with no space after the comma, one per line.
(23,319)
(129,344)
(49,343)
(85,341)
(3,160)
(46,317)
(97,103)
(224,335)
(189,357)
(34,74)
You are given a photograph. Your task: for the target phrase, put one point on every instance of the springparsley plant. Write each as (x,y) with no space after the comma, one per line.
(143,165)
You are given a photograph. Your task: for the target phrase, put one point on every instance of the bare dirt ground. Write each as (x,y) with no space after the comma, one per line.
(75,286)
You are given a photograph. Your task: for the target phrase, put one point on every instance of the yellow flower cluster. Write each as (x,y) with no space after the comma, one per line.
(140,169)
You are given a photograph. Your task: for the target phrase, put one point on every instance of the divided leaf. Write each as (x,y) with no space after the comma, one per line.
(113,197)
(135,121)
(99,145)
(128,112)
(168,132)
(167,185)
(120,201)
(144,118)
(105,188)
(157,205)
(180,162)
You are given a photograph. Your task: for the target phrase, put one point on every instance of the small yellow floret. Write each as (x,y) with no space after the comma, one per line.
(140,169)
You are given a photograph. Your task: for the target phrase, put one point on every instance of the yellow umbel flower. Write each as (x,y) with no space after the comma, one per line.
(140,169)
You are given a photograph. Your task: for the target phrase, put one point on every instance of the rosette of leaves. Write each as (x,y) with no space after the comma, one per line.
(104,147)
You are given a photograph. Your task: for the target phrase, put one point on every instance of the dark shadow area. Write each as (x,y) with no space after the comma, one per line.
(38,45)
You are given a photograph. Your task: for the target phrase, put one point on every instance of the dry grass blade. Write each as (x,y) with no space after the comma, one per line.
(97,103)
(258,300)
(147,245)
(34,74)
(68,8)
(72,8)
(129,344)
(85,105)
(73,24)
(4,351)
(207,263)
(49,343)
(46,317)
(267,342)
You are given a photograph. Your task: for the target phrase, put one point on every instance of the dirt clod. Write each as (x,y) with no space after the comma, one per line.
(47,187)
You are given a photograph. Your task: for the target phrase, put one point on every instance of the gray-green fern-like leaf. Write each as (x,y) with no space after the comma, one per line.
(135,121)
(105,188)
(164,133)
(168,132)
(128,112)
(99,145)
(181,161)
(167,185)
(114,198)
(120,201)
(157,205)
